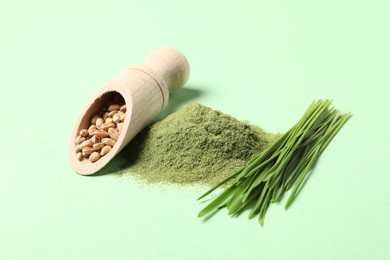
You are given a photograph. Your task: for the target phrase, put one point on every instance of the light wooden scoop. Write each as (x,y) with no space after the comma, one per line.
(145,89)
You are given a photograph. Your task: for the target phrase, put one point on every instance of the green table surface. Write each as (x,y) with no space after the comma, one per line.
(262,61)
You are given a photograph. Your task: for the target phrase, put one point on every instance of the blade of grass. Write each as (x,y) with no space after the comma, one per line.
(220,184)
(217,201)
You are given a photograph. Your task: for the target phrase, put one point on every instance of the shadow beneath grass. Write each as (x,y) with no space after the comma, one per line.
(209,216)
(130,152)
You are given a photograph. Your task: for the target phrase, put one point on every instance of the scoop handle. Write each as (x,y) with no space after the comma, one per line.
(171,65)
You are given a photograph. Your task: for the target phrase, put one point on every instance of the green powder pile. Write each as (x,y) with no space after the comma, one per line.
(194,145)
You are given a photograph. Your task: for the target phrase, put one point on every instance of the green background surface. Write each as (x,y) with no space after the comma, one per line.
(262,61)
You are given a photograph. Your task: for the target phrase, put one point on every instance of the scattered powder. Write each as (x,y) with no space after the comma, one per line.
(194,145)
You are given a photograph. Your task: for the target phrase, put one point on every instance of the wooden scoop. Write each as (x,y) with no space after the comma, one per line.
(145,90)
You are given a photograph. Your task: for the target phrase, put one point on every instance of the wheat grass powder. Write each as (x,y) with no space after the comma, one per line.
(193,145)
